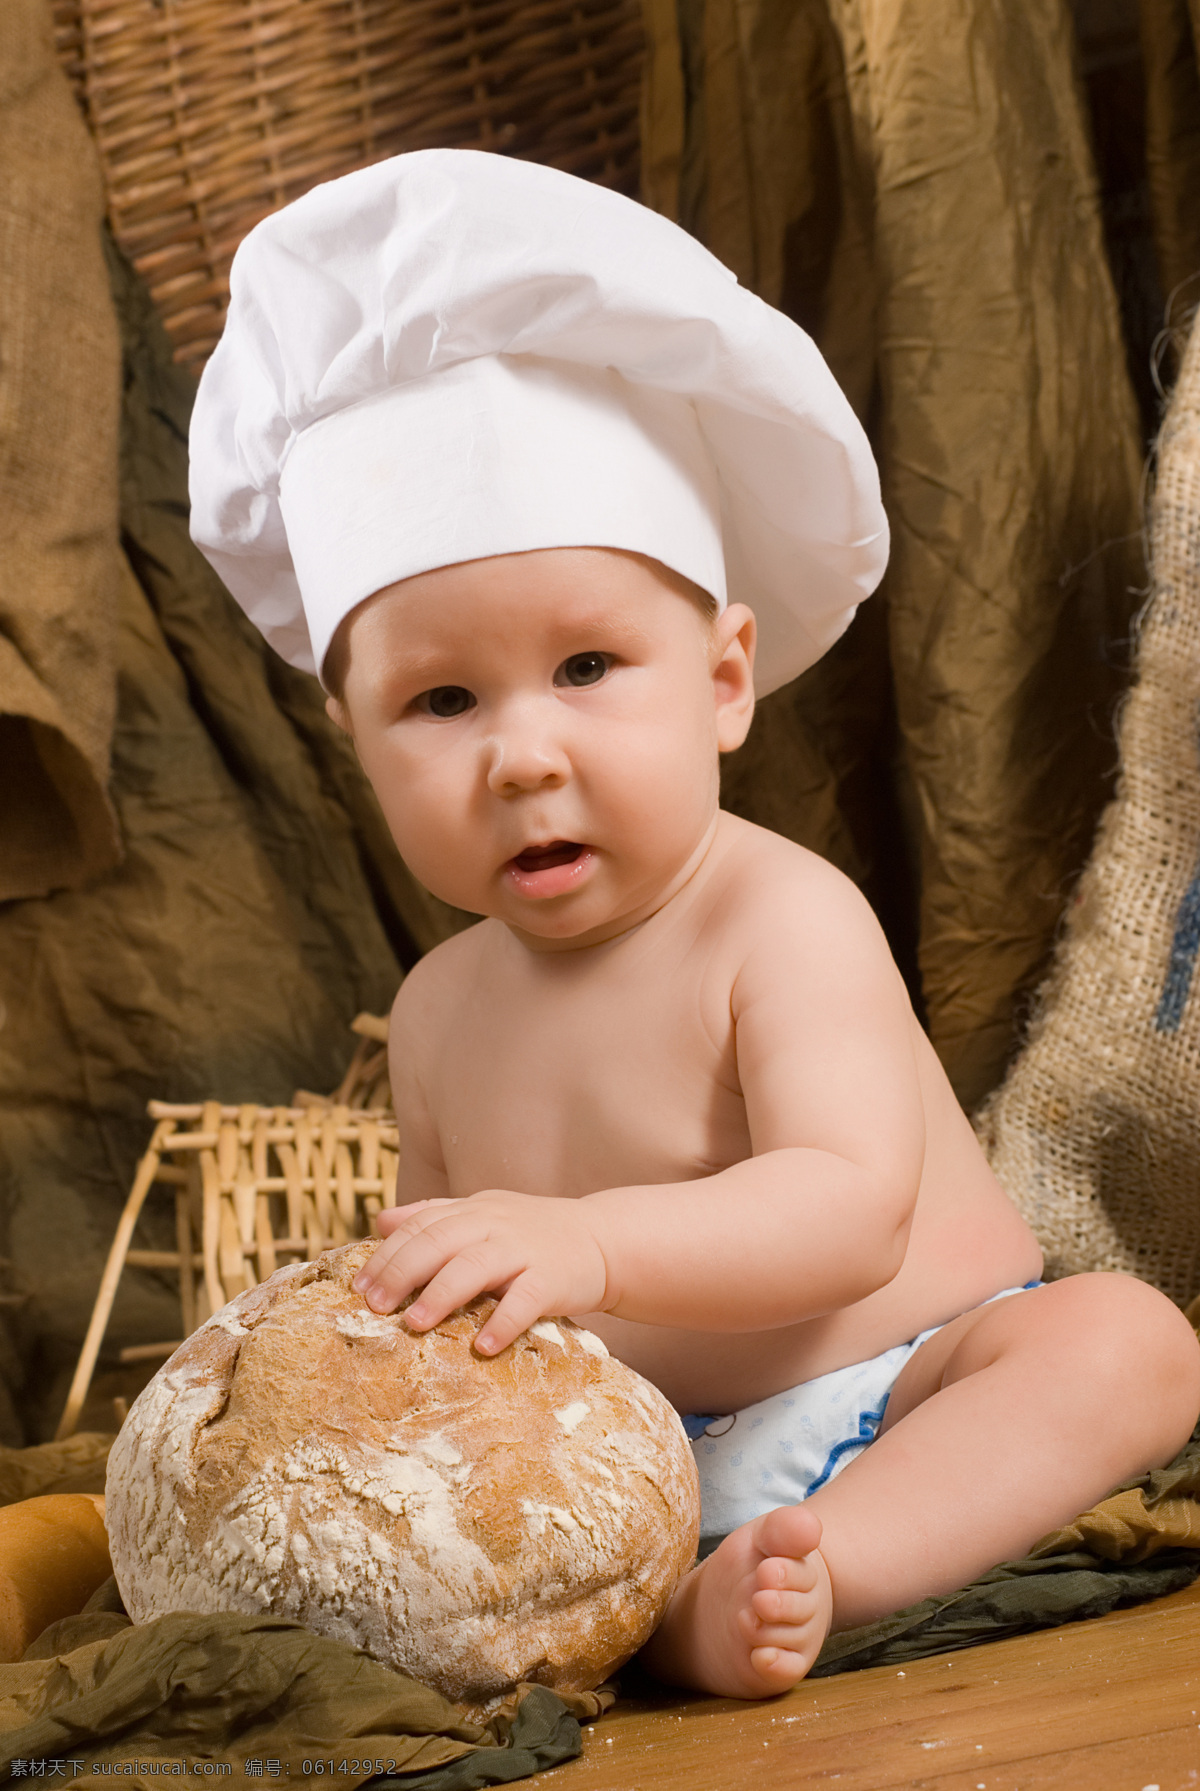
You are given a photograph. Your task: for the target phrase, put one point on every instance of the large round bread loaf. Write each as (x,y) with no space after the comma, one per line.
(471,1521)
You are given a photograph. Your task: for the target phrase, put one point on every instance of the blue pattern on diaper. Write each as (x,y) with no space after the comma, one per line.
(868,1424)
(696,1423)
(785,1448)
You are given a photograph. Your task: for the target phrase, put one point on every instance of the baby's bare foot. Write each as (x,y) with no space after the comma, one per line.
(749,1621)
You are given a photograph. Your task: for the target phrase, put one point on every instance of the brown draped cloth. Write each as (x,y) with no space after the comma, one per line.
(59,561)
(243,900)
(1171,48)
(914,184)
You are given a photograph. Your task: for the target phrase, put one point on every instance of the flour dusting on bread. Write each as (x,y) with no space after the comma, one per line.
(472,1521)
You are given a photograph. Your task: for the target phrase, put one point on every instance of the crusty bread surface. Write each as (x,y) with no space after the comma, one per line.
(53,1555)
(471,1521)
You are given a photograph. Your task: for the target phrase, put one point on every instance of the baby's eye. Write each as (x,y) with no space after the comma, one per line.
(582,668)
(446,700)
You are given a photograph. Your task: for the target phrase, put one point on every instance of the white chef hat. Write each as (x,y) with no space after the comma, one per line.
(453,354)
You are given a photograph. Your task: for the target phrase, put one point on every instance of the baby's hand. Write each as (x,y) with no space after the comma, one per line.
(538,1253)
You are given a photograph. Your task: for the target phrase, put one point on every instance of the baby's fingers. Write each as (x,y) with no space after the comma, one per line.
(405,1261)
(393,1268)
(479,1268)
(521,1307)
(393,1217)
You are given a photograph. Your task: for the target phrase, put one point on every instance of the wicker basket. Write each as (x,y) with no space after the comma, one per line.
(209,114)
(365,1083)
(254,1188)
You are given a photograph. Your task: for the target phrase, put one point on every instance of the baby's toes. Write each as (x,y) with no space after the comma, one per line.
(803,1639)
(789,1530)
(784,1607)
(779,1668)
(782,1573)
(794,1622)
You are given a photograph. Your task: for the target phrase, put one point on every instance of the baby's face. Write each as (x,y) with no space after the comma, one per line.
(543,729)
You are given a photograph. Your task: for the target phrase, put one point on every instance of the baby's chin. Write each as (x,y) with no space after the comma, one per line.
(584,916)
(551,933)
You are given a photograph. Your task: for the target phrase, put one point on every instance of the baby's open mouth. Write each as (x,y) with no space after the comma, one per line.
(548,857)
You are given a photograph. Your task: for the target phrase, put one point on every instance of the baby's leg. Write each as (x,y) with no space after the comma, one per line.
(1006,1424)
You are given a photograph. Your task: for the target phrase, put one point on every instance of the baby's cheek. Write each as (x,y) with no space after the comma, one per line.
(423,808)
(453,861)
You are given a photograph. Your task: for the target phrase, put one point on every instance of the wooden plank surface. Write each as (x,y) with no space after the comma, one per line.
(1109,1705)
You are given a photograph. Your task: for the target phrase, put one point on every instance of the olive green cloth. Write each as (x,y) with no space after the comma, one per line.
(230,1689)
(1141,1542)
(1011,1600)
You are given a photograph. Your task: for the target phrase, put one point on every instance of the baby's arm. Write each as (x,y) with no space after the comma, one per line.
(422,1174)
(818,1216)
(815,1219)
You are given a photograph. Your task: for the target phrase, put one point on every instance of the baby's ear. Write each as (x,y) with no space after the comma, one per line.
(337,713)
(735,633)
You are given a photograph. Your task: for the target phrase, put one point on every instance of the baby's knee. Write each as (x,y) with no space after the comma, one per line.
(1137,1350)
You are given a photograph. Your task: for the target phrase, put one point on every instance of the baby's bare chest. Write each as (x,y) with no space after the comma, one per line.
(562,1084)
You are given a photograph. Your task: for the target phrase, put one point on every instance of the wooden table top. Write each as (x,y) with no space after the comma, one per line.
(1107,1705)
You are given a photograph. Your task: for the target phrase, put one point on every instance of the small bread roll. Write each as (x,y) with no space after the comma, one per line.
(53,1555)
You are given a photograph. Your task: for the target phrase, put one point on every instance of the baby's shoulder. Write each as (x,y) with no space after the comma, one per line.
(787,915)
(764,879)
(439,981)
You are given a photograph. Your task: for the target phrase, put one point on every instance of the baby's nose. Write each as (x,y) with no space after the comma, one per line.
(526,753)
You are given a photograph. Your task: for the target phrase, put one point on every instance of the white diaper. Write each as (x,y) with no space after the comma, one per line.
(785,1448)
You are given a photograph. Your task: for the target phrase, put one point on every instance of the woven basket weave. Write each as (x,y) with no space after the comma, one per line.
(365,1083)
(254,1188)
(210,114)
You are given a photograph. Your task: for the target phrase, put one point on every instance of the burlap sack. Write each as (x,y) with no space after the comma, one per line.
(1096,1131)
(59,398)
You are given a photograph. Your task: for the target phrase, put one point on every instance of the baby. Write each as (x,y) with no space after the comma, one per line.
(671,1084)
